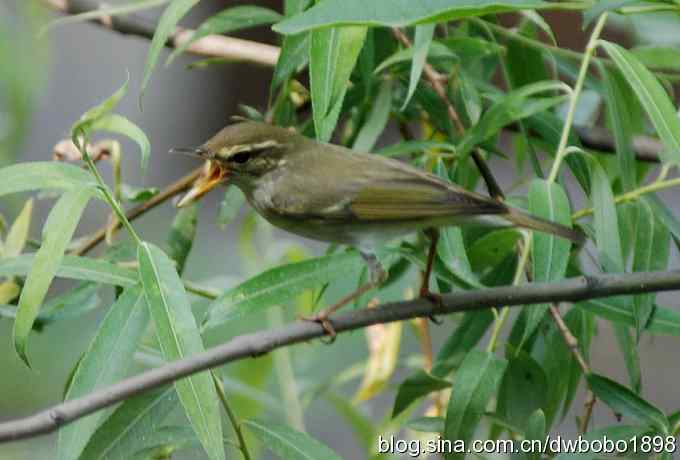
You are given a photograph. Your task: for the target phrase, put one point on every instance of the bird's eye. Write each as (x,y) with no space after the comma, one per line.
(241,157)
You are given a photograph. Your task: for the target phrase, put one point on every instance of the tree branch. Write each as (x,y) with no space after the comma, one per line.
(256,344)
(211,46)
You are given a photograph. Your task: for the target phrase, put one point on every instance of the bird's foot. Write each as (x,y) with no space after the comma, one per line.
(322,318)
(436,299)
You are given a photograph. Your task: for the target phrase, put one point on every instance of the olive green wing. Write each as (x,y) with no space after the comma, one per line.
(417,198)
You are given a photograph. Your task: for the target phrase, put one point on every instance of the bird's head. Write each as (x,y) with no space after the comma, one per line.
(240,152)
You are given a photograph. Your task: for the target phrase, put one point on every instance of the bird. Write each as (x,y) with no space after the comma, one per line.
(330,193)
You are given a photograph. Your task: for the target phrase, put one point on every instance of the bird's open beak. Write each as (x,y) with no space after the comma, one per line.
(213,175)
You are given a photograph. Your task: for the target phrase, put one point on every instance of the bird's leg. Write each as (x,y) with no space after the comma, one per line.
(433,235)
(376,276)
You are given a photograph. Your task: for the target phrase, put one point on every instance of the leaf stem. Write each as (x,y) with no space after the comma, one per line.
(235,423)
(503,316)
(634,194)
(82,146)
(578,87)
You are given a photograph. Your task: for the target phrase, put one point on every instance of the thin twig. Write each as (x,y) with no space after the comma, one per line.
(235,422)
(221,46)
(435,79)
(572,343)
(171,190)
(257,344)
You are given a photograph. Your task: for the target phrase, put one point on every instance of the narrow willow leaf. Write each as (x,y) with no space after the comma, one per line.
(124,432)
(652,96)
(658,57)
(43,175)
(179,337)
(229,20)
(280,285)
(72,267)
(294,56)
(166,26)
(607,233)
(427,424)
(401,13)
(421,45)
(384,341)
(18,232)
(523,389)
(436,52)
(119,124)
(332,56)
(513,106)
(619,115)
(288,443)
(84,124)
(475,383)
(631,359)
(550,253)
(468,334)
(535,431)
(627,403)
(57,233)
(664,321)
(106,361)
(182,234)
(76,302)
(652,249)
(414,387)
(376,120)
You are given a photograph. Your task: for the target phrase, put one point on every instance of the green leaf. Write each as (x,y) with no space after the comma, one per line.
(84,125)
(361,424)
(619,112)
(490,250)
(294,56)
(652,96)
(179,337)
(229,20)
(280,285)
(124,432)
(401,13)
(119,124)
(166,26)
(652,249)
(550,253)
(76,302)
(72,267)
(466,336)
(415,386)
(523,390)
(475,383)
(510,107)
(288,443)
(377,119)
(18,232)
(607,235)
(436,52)
(664,321)
(332,56)
(105,362)
(181,236)
(631,357)
(658,57)
(427,424)
(421,45)
(627,403)
(535,432)
(137,194)
(43,175)
(57,233)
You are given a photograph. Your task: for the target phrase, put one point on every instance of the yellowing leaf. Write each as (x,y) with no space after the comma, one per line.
(383,346)
(18,232)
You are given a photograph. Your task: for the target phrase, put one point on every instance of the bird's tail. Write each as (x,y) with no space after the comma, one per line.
(530,222)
